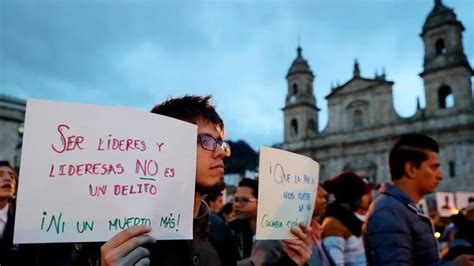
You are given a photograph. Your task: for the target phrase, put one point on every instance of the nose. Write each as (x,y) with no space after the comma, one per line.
(440,175)
(237,204)
(7,176)
(219,152)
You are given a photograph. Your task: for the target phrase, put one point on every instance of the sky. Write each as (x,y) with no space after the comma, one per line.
(139,53)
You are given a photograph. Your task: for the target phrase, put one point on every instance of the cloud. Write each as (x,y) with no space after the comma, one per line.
(139,53)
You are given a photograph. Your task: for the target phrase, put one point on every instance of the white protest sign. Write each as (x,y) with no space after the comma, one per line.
(88,172)
(463,199)
(288,184)
(445,204)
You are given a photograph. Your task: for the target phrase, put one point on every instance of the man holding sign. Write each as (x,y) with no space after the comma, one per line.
(126,247)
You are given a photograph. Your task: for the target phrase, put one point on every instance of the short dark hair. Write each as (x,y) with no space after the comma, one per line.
(228,208)
(212,197)
(250,183)
(410,148)
(6,163)
(190,109)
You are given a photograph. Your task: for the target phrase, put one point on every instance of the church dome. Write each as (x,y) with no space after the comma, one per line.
(440,15)
(299,66)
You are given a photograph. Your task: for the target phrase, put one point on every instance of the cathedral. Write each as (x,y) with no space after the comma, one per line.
(12,116)
(362,124)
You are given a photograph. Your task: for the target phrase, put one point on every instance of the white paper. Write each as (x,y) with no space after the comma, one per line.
(288,185)
(463,199)
(121,168)
(445,204)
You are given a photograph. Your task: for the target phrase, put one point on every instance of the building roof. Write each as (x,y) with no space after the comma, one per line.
(299,65)
(364,82)
(12,103)
(440,15)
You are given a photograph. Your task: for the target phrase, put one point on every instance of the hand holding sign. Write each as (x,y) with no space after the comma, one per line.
(125,248)
(288,183)
(88,172)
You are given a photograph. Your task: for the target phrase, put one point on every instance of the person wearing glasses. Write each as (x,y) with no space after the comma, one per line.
(263,252)
(133,246)
(243,227)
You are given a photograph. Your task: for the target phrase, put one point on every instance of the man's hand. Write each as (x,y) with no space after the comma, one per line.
(125,248)
(300,250)
(464,260)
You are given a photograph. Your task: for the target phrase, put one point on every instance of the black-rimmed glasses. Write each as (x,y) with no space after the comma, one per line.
(210,143)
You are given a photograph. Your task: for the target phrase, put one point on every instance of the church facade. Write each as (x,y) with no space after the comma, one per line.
(12,117)
(363,125)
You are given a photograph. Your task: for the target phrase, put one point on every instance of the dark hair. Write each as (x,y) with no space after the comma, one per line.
(6,163)
(410,148)
(250,183)
(348,187)
(190,109)
(228,208)
(212,197)
(464,227)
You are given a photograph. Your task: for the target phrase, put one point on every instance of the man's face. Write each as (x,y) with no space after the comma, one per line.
(428,175)
(216,206)
(7,182)
(321,202)
(209,164)
(245,203)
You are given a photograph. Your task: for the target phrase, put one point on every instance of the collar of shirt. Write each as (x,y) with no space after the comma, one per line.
(360,216)
(4,214)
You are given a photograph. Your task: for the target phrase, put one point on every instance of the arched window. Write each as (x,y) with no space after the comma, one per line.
(357,118)
(440,47)
(294,128)
(445,97)
(295,89)
(452,169)
(311,126)
(308,88)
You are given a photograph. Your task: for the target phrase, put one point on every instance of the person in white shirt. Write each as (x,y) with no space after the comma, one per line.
(7,194)
(342,227)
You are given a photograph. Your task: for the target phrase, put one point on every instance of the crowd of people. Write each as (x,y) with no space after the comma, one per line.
(354,228)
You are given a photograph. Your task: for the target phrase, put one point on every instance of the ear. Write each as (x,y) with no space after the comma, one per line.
(410,169)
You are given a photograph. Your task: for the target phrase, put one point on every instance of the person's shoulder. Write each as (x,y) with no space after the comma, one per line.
(384,201)
(386,209)
(214,218)
(217,227)
(238,223)
(334,227)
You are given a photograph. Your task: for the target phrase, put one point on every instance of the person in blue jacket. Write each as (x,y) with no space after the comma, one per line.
(396,232)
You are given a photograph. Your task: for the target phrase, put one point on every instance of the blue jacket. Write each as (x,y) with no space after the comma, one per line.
(397,233)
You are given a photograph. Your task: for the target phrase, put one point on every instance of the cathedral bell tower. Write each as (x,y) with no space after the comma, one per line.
(447,73)
(300,111)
